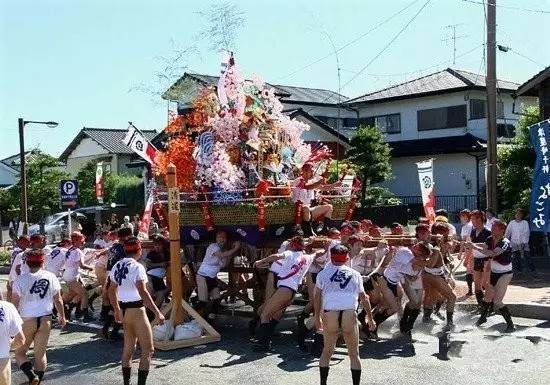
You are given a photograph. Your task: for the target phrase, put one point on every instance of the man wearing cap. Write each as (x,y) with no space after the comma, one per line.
(35,294)
(338,291)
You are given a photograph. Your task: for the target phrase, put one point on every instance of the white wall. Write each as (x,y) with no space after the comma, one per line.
(451,171)
(316,133)
(87,147)
(408,109)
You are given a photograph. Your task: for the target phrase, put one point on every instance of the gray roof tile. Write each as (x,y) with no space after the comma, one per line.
(442,81)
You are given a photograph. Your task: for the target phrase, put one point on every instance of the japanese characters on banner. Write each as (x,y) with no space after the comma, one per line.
(426,178)
(99,182)
(540,193)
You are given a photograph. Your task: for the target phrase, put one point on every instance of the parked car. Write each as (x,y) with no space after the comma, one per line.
(56,225)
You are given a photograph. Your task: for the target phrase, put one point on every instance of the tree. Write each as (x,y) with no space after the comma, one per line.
(43,177)
(515,165)
(118,188)
(371,156)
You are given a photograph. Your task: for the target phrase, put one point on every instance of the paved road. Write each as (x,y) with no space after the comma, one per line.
(475,356)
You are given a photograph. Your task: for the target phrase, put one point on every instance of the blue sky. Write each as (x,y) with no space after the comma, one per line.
(78,62)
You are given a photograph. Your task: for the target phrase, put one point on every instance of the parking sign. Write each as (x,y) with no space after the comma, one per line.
(68,190)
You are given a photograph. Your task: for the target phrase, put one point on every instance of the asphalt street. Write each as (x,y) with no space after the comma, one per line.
(470,356)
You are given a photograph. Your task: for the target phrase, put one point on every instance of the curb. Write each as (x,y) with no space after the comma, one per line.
(523,310)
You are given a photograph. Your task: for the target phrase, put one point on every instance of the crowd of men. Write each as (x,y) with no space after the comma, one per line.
(355,277)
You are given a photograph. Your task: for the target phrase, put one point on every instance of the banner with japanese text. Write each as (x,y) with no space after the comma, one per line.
(426,178)
(539,212)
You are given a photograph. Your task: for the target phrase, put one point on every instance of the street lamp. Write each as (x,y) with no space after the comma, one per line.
(22,123)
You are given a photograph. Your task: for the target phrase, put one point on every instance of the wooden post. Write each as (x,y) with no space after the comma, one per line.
(175,260)
(178,308)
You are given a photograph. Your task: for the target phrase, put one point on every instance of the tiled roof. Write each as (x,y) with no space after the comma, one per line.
(530,87)
(434,146)
(108,138)
(286,93)
(448,80)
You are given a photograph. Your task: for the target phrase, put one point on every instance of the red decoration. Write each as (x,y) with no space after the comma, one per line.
(206,212)
(298,213)
(161,216)
(351,208)
(263,187)
(180,153)
(261,215)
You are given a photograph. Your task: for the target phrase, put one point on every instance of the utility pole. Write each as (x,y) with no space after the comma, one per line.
(491,83)
(23,213)
(454,38)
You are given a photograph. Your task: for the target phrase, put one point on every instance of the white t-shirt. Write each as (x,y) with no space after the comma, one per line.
(55,260)
(14,253)
(489,223)
(466,230)
(73,258)
(125,274)
(293,268)
(36,292)
(399,265)
(518,232)
(301,194)
(18,260)
(211,265)
(10,325)
(100,243)
(340,287)
(276,266)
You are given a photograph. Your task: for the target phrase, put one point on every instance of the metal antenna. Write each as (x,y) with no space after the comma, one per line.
(454,38)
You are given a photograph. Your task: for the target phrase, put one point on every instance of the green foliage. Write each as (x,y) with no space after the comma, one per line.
(123,188)
(4,257)
(336,169)
(515,165)
(43,177)
(380,196)
(371,156)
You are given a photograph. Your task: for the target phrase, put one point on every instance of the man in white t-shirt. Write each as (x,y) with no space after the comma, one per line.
(215,258)
(74,261)
(518,233)
(294,266)
(10,330)
(35,294)
(129,297)
(303,192)
(16,259)
(338,290)
(55,259)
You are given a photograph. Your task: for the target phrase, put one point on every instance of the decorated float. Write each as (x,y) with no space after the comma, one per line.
(236,154)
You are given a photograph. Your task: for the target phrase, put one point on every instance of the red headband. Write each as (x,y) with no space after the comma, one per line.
(36,256)
(338,257)
(77,236)
(346,230)
(296,243)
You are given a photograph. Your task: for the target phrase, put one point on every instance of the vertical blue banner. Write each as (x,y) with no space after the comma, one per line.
(539,218)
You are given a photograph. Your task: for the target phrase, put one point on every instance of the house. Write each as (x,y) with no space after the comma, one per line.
(442,116)
(11,166)
(102,144)
(538,86)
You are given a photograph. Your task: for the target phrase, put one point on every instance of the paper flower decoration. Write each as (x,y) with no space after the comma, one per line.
(180,153)
(218,171)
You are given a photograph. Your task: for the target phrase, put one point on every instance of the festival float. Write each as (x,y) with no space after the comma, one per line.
(236,154)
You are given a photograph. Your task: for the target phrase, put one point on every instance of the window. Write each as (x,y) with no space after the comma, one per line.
(478,109)
(506,130)
(444,117)
(350,122)
(388,124)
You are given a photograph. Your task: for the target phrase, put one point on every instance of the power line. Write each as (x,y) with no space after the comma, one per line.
(389,43)
(382,50)
(512,7)
(526,57)
(351,42)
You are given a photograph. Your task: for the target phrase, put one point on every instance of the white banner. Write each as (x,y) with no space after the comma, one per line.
(426,178)
(139,144)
